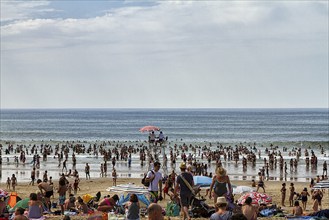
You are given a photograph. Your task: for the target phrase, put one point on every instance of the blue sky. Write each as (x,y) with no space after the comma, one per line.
(172,54)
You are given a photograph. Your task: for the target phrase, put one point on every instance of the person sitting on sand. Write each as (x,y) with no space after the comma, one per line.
(19,214)
(154,212)
(133,208)
(249,210)
(297,210)
(253,183)
(82,206)
(69,204)
(35,207)
(108,203)
(221,213)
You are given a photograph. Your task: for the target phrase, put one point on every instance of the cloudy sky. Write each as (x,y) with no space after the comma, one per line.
(172,54)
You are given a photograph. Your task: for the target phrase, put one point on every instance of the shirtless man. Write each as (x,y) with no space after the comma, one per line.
(46,190)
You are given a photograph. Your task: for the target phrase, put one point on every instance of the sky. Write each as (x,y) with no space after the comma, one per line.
(164,54)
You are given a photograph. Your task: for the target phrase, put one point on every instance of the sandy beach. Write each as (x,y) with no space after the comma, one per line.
(92,186)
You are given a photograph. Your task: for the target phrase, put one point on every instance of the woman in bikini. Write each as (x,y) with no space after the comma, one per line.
(108,203)
(304,194)
(260,182)
(219,182)
(291,195)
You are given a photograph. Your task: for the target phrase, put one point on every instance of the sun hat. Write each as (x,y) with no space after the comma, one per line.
(182,165)
(221,200)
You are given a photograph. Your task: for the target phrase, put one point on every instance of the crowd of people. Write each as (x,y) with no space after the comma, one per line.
(178,187)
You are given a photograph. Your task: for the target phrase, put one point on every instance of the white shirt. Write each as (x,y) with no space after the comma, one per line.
(154,185)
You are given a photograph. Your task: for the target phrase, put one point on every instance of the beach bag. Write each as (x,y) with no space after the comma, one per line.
(144,182)
(172,209)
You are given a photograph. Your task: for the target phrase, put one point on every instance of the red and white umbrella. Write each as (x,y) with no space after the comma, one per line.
(149,128)
(3,193)
(257,198)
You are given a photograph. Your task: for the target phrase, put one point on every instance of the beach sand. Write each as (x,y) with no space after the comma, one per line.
(101,184)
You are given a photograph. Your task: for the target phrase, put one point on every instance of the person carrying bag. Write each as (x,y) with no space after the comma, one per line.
(185,183)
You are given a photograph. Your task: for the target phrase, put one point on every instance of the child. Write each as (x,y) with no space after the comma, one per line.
(8,183)
(13,181)
(114,175)
(167,187)
(253,183)
(69,189)
(76,186)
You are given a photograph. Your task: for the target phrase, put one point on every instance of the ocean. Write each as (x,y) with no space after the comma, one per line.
(223,125)
(282,127)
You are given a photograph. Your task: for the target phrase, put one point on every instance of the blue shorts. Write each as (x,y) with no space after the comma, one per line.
(61,200)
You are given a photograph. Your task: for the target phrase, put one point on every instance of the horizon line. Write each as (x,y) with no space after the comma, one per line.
(158,108)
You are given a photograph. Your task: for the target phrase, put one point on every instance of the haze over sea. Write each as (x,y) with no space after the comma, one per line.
(284,127)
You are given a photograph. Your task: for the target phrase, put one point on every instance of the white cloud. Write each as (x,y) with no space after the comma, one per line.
(195,54)
(20,10)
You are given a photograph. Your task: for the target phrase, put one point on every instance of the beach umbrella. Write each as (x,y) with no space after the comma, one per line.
(149,128)
(257,198)
(242,189)
(3,193)
(202,180)
(321,185)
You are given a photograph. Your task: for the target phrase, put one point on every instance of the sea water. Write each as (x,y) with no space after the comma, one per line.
(290,128)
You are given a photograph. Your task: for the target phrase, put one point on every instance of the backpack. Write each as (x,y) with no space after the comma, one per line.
(172,209)
(144,182)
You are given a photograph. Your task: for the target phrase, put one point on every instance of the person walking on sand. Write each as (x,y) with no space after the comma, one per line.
(87,171)
(62,188)
(114,176)
(219,182)
(8,182)
(291,194)
(185,182)
(260,182)
(283,194)
(13,181)
(154,177)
